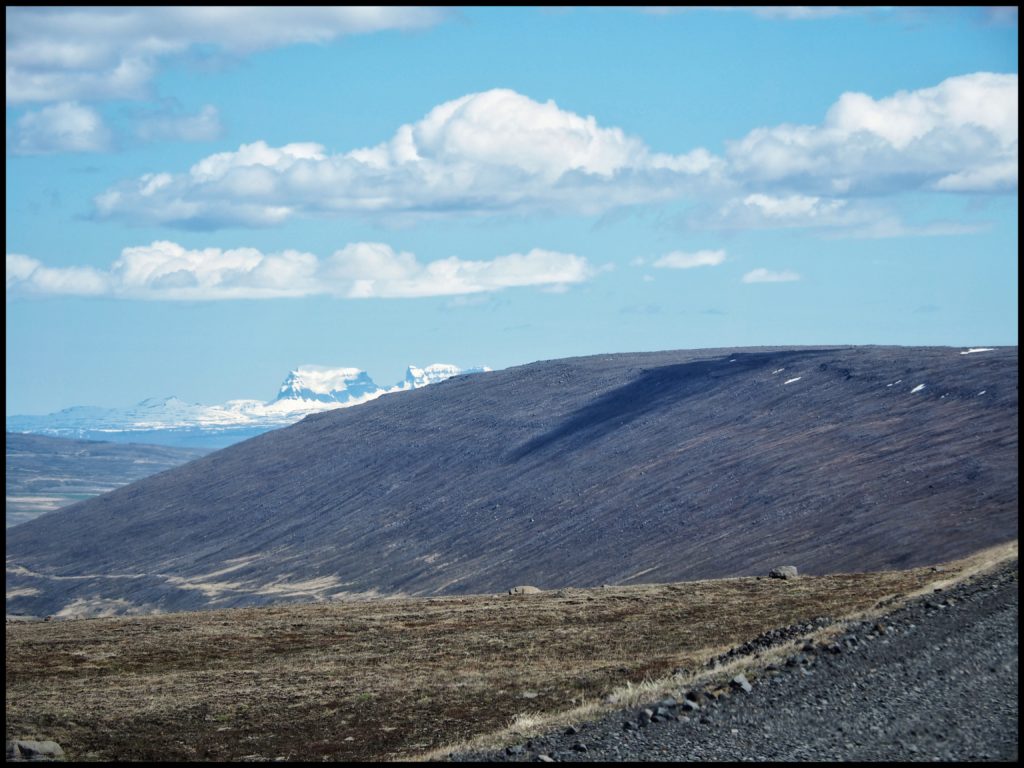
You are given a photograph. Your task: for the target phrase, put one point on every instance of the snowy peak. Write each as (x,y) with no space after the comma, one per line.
(307,389)
(326,385)
(420,377)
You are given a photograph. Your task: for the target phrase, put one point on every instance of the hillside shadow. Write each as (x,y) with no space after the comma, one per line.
(653,390)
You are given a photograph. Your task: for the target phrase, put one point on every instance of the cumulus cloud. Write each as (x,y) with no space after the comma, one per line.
(500,152)
(960,135)
(106,53)
(202,126)
(683,260)
(762,275)
(64,127)
(495,151)
(165,270)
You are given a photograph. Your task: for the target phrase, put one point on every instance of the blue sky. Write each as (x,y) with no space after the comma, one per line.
(199,200)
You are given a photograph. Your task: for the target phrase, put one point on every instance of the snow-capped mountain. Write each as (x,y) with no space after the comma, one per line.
(329,385)
(172,421)
(420,377)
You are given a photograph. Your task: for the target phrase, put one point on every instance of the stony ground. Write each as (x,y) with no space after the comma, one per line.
(935,680)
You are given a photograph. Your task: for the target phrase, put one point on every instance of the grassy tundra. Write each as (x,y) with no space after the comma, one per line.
(406,678)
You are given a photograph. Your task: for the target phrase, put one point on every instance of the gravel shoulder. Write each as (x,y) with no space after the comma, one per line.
(937,679)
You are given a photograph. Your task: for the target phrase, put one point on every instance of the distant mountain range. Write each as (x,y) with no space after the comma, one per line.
(172,421)
(611,469)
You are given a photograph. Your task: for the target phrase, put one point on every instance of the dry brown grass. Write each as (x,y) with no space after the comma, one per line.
(399,678)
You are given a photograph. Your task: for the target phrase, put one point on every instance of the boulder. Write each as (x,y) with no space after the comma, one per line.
(34,750)
(783,572)
(524,590)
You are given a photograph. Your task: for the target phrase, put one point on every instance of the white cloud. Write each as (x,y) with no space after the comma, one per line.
(104,53)
(959,135)
(78,281)
(203,126)
(501,152)
(485,152)
(64,127)
(762,275)
(167,271)
(790,12)
(829,217)
(683,260)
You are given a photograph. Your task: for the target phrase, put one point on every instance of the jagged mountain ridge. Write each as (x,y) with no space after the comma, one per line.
(608,469)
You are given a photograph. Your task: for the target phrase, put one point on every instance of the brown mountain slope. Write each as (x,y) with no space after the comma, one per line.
(620,469)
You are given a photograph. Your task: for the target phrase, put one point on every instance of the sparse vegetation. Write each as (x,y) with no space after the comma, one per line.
(398,678)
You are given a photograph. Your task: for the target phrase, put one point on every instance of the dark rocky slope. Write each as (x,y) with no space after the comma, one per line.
(616,468)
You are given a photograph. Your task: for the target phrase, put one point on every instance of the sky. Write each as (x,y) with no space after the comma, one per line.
(202,199)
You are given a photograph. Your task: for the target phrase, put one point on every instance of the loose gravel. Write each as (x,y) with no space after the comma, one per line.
(936,680)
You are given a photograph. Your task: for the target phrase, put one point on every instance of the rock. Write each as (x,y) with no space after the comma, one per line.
(572,730)
(611,698)
(579,747)
(690,706)
(34,750)
(668,703)
(529,694)
(629,725)
(697,697)
(516,749)
(741,682)
(783,572)
(524,590)
(644,718)
(545,759)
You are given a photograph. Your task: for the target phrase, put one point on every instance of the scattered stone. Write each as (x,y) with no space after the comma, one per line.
(530,694)
(783,572)
(668,703)
(629,725)
(515,749)
(690,706)
(579,747)
(741,682)
(545,759)
(572,730)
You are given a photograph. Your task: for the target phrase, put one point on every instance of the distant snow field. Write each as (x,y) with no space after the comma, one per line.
(790,381)
(972,350)
(918,388)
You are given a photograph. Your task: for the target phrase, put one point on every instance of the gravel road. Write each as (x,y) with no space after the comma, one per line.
(934,680)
